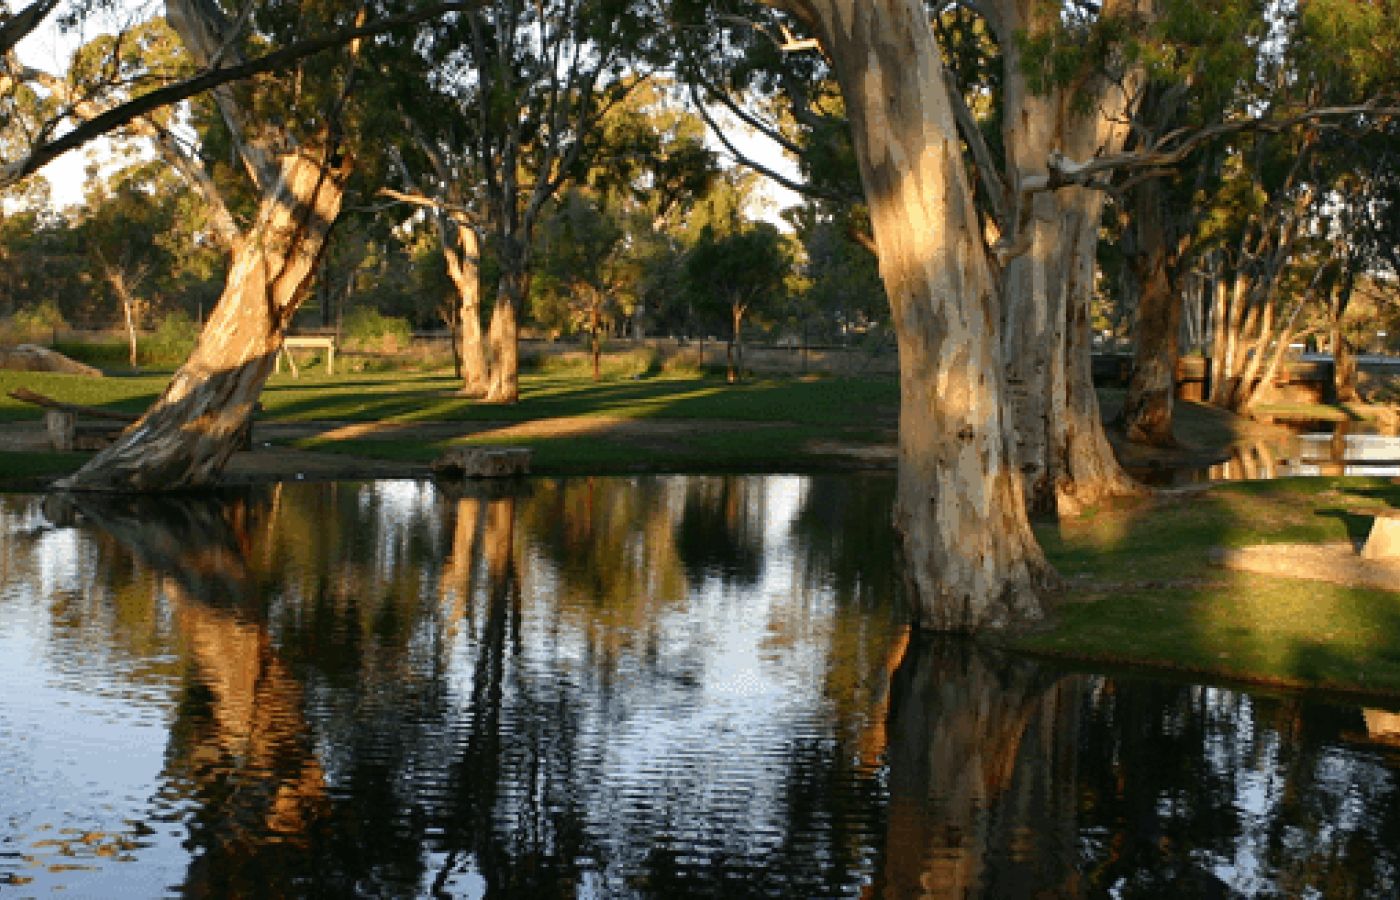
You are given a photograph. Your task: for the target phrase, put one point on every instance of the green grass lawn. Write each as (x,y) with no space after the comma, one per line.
(1141,588)
(420,397)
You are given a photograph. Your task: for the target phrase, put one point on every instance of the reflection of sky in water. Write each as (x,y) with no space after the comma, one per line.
(688,740)
(78,758)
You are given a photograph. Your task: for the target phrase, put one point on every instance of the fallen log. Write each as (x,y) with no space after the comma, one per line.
(25,395)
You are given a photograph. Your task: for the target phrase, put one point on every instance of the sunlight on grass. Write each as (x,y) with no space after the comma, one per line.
(1142,588)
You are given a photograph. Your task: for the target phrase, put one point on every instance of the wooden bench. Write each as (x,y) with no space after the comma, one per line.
(306,342)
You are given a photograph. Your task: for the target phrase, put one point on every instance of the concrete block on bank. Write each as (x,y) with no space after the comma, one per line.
(483,462)
(1384,542)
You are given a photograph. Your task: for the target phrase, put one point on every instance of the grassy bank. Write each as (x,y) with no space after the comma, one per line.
(1141,588)
(664,422)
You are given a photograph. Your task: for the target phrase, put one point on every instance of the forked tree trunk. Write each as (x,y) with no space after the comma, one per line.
(186,437)
(971,560)
(464,269)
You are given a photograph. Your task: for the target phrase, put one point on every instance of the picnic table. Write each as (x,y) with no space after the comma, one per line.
(291,342)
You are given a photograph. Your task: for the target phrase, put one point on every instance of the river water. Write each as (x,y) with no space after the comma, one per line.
(610,687)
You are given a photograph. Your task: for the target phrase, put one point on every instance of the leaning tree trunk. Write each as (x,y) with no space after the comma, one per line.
(971,560)
(1148,406)
(187,436)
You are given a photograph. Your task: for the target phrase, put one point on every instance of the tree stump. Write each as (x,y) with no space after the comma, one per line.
(483,462)
(1384,542)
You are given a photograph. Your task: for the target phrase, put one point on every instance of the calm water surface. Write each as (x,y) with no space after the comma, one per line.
(647,687)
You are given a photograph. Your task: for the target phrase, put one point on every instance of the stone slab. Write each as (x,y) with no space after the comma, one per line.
(1337,563)
(482,462)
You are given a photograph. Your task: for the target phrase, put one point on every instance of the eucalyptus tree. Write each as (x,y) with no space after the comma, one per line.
(517,91)
(581,267)
(1240,215)
(287,135)
(737,274)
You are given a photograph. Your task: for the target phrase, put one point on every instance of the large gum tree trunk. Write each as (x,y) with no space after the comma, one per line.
(1064,456)
(186,437)
(503,340)
(971,560)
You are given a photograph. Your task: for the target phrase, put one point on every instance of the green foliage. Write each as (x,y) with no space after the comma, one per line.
(368,329)
(171,342)
(738,273)
(34,323)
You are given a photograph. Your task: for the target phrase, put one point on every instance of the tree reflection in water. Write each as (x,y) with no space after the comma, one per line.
(655,687)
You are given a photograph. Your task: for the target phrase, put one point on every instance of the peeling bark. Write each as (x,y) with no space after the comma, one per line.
(971,560)
(186,437)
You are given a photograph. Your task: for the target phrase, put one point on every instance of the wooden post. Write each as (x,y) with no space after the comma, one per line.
(62,426)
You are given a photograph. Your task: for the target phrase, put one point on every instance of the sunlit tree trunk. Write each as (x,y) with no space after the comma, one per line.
(1344,370)
(187,436)
(971,560)
(503,346)
(464,269)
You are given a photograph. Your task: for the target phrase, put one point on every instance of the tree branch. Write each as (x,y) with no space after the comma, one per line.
(124,113)
(17,27)
(1174,147)
(743,159)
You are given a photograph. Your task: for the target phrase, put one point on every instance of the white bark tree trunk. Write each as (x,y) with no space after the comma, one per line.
(971,560)
(503,347)
(464,269)
(186,437)
(1062,451)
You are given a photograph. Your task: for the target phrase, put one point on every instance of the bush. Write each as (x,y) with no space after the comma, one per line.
(366,329)
(34,325)
(172,341)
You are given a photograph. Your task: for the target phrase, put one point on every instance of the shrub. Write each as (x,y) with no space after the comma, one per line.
(171,342)
(366,329)
(33,325)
